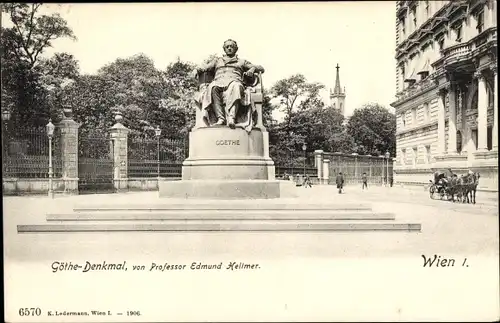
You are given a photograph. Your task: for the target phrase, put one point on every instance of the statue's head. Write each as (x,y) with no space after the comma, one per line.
(230,47)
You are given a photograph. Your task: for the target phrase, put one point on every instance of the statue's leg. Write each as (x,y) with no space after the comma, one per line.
(231,114)
(234,94)
(217,97)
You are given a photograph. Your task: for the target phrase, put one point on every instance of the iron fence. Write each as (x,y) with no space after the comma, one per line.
(146,154)
(95,163)
(353,167)
(25,153)
(292,158)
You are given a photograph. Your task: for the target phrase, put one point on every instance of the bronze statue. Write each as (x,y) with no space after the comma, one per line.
(226,99)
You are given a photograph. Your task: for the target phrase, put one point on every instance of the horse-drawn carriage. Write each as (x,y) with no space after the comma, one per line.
(440,186)
(447,185)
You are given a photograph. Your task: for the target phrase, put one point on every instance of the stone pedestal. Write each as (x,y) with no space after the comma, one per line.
(226,163)
(227,154)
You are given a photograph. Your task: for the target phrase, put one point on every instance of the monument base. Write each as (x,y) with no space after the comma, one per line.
(227,189)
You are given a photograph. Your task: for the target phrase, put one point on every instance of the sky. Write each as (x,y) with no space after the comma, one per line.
(286,38)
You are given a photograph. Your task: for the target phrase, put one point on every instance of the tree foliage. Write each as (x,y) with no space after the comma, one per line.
(145,96)
(35,88)
(293,91)
(33,32)
(30,84)
(373,129)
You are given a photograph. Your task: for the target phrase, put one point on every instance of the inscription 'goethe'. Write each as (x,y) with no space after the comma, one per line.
(227,142)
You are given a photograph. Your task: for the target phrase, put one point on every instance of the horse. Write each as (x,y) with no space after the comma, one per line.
(454,187)
(471,188)
(462,189)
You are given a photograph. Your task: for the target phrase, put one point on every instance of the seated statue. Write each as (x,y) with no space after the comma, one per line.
(226,86)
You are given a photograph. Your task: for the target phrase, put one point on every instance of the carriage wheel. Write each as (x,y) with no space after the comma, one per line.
(442,193)
(432,190)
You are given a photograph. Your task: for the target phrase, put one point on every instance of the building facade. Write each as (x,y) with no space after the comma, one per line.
(337,96)
(446,90)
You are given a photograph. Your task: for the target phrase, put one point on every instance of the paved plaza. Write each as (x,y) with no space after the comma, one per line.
(446,227)
(303,276)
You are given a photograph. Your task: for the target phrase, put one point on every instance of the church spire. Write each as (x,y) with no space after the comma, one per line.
(337,89)
(337,96)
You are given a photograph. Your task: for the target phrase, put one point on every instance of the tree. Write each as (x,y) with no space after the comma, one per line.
(373,129)
(267,110)
(32,33)
(55,74)
(294,90)
(135,88)
(144,95)
(178,108)
(91,97)
(24,90)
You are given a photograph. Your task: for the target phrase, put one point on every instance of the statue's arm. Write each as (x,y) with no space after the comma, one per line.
(254,68)
(207,66)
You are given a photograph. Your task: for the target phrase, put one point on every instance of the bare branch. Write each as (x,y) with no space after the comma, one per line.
(34,8)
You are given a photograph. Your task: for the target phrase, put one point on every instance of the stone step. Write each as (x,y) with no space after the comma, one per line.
(218,227)
(172,215)
(223,206)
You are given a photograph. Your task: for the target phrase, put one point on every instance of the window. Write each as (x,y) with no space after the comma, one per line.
(414,116)
(441,43)
(474,138)
(459,141)
(334,105)
(489,137)
(426,112)
(402,26)
(341,107)
(428,154)
(414,15)
(415,154)
(480,21)
(458,33)
(403,117)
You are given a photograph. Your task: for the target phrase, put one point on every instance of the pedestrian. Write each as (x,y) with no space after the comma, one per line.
(365,181)
(340,182)
(391,180)
(307,181)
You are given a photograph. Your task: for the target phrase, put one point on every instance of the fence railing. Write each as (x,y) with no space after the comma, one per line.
(292,159)
(25,153)
(353,167)
(146,154)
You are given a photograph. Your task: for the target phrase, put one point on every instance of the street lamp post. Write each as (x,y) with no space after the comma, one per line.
(50,133)
(304,147)
(5,120)
(158,133)
(387,155)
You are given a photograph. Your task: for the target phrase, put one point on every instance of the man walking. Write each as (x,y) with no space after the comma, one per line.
(340,182)
(307,181)
(365,181)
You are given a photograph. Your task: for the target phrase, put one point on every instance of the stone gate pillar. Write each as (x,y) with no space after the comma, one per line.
(119,138)
(318,161)
(68,129)
(326,170)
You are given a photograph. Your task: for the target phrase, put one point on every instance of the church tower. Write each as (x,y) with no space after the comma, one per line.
(337,96)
